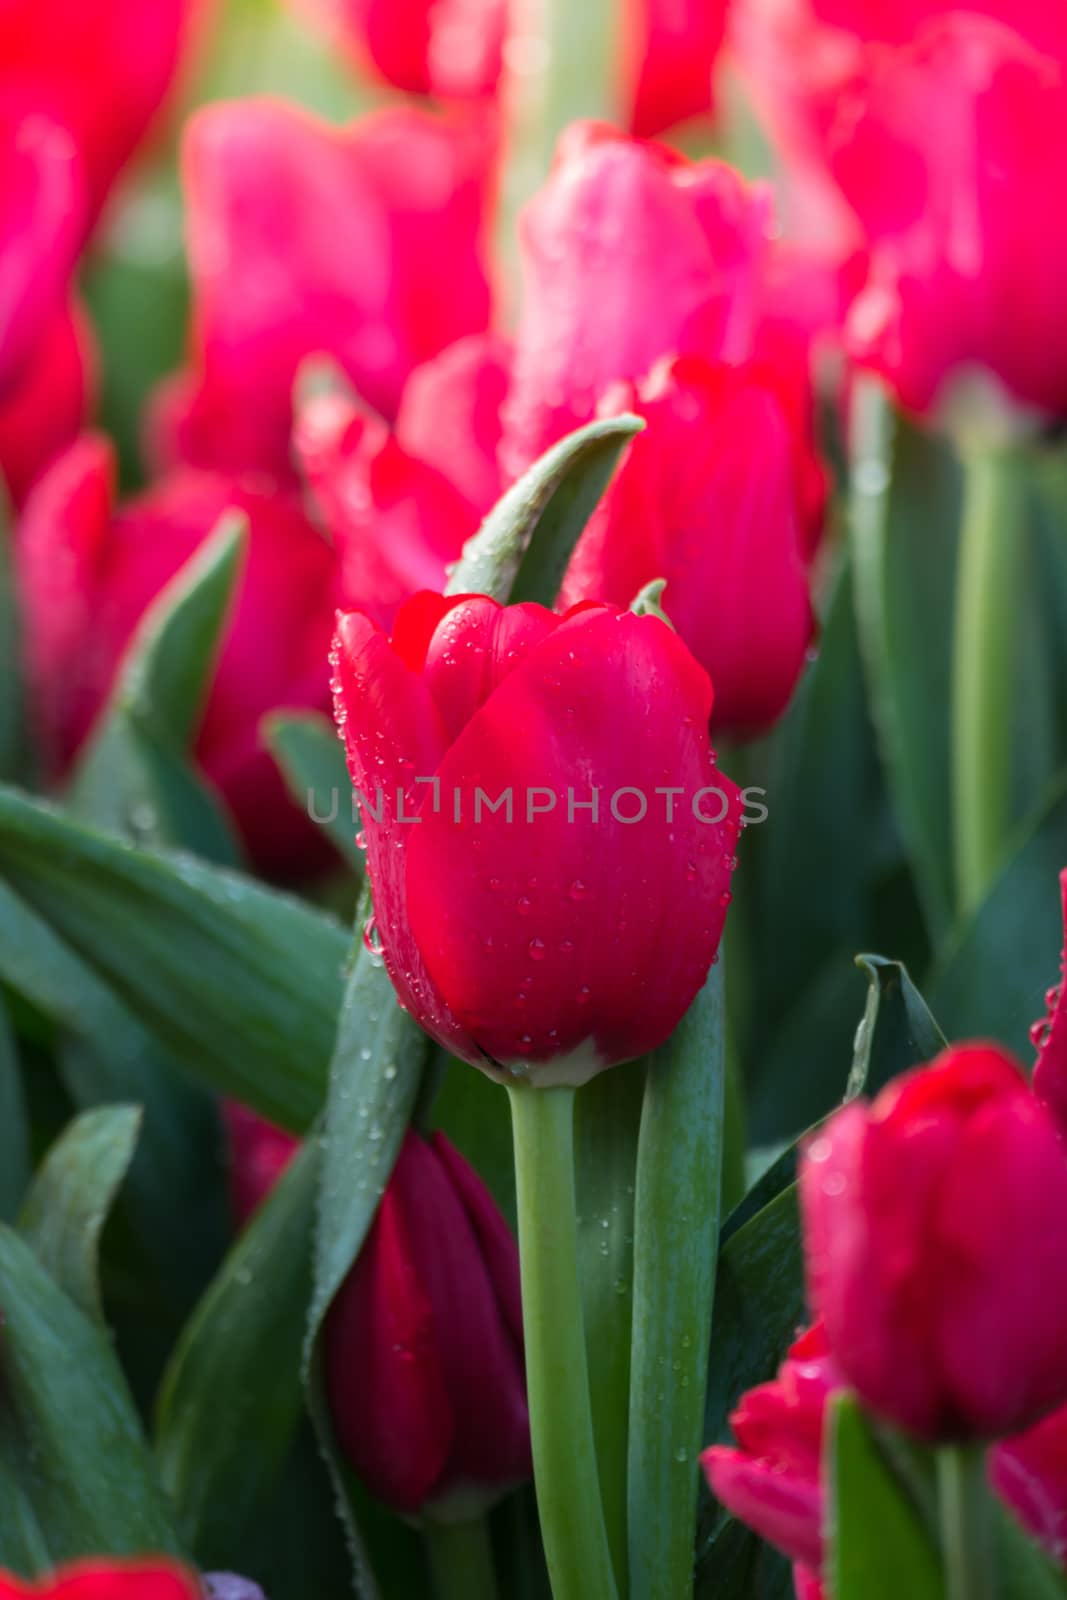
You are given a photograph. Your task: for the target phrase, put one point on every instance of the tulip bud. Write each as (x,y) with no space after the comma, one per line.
(549,842)
(258,1153)
(448,48)
(670,48)
(930,1255)
(772,1480)
(423,1344)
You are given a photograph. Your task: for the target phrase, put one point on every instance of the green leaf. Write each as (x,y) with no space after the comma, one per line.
(14,1127)
(905,518)
(312,761)
(1024,1571)
(607,1123)
(375,1076)
(242,983)
(878,1546)
(676,1231)
(991,980)
(135,776)
(232,1397)
(522,549)
(13,731)
(68,1425)
(897,1031)
(72,1194)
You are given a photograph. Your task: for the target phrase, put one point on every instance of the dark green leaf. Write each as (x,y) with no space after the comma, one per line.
(13,733)
(736,1565)
(992,979)
(232,1398)
(312,759)
(879,1548)
(676,1232)
(14,1128)
(522,549)
(72,1195)
(1024,1571)
(897,1031)
(241,982)
(68,1422)
(134,776)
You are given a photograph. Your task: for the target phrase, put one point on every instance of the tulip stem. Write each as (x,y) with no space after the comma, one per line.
(966,1523)
(557,1373)
(990,561)
(460,1556)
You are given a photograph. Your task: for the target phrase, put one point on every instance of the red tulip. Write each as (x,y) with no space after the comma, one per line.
(449,48)
(108,1579)
(401,503)
(87,572)
(940,131)
(945,1295)
(1029,1473)
(772,1480)
(670,49)
(1050,1038)
(423,1344)
(571,927)
(706,499)
(44,410)
(258,1154)
(363,243)
(651,283)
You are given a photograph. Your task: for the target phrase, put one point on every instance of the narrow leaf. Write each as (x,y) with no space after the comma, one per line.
(72,1195)
(13,730)
(897,1031)
(522,549)
(312,761)
(676,1231)
(14,1128)
(878,1546)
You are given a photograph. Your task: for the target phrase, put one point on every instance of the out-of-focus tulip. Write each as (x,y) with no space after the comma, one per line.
(1030,1474)
(670,49)
(939,130)
(423,1344)
(945,1296)
(647,285)
(772,1480)
(557,904)
(364,244)
(1050,1037)
(44,410)
(88,570)
(449,48)
(258,1153)
(108,1579)
(706,499)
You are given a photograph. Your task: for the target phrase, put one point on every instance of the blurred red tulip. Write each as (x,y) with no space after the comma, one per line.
(423,1344)
(945,1298)
(449,48)
(107,1579)
(364,244)
(44,410)
(570,927)
(1030,1474)
(88,570)
(670,50)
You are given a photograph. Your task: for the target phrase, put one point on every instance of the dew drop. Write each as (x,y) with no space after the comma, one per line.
(536,949)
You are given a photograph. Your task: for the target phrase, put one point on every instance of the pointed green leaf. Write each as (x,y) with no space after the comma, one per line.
(135,776)
(232,1398)
(312,760)
(522,549)
(676,1233)
(879,1548)
(68,1421)
(242,983)
(897,1031)
(72,1195)
(14,1128)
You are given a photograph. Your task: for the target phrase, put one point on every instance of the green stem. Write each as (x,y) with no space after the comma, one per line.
(966,1523)
(983,709)
(460,1557)
(557,1374)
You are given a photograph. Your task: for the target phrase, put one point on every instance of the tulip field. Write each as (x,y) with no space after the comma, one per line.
(533,800)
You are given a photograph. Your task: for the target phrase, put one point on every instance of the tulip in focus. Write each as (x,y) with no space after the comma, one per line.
(423,1344)
(549,842)
(305,239)
(108,1579)
(88,570)
(930,1257)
